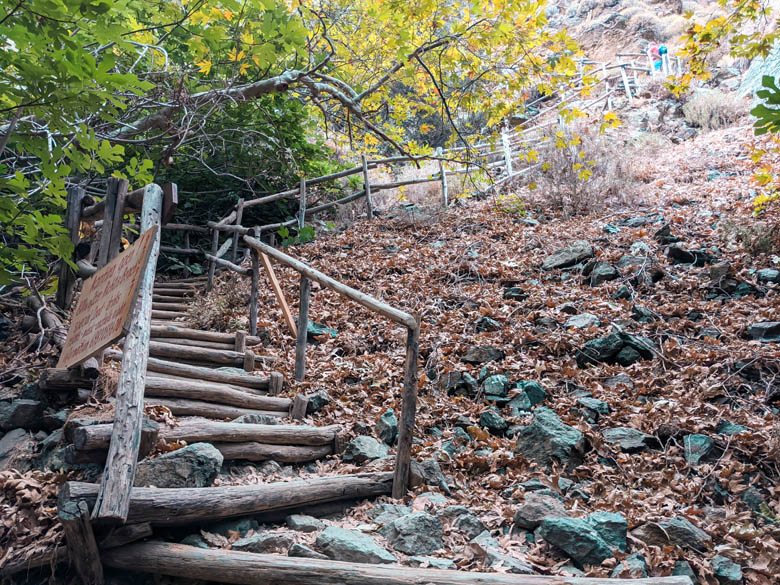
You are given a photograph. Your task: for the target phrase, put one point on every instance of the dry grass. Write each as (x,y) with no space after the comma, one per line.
(714,109)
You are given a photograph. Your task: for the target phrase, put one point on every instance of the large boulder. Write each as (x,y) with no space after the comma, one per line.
(677,531)
(363,449)
(195,465)
(576,538)
(548,439)
(340,544)
(568,256)
(21,414)
(418,533)
(535,508)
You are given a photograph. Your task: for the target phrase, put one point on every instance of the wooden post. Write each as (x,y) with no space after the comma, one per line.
(507,152)
(408,408)
(299,406)
(72,222)
(367,186)
(82,547)
(112,191)
(239,215)
(303,326)
(113,499)
(443,174)
(275,384)
(187,247)
(213,263)
(249,360)
(254,292)
(302,210)
(240,345)
(117,224)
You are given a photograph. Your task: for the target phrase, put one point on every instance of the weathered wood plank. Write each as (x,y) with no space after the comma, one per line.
(183,332)
(212,392)
(180,507)
(269,271)
(403,458)
(303,326)
(82,548)
(187,407)
(253,451)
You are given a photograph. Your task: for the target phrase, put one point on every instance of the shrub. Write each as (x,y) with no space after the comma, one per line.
(581,168)
(713,109)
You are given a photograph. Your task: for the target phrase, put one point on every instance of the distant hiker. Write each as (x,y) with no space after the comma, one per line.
(655,56)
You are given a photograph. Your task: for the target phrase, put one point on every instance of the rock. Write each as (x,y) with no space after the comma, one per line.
(194,540)
(469,525)
(642,344)
(682,256)
(386,513)
(547,439)
(257,419)
(493,422)
(611,527)
(303,523)
(515,293)
(683,569)
(576,538)
(618,380)
(264,543)
(568,256)
(536,507)
(317,401)
(697,447)
(54,420)
(497,385)
(677,531)
(418,533)
(603,272)
(304,552)
(632,567)
(481,354)
(21,414)
(628,439)
(432,562)
(428,472)
(768,275)
(487,324)
(16,449)
(764,331)
(582,321)
(753,498)
(643,315)
(340,544)
(610,228)
(387,427)
(627,356)
(239,525)
(195,465)
(568,308)
(458,384)
(519,405)
(726,571)
(533,390)
(431,498)
(639,248)
(601,349)
(728,428)
(363,449)
(597,406)
(493,555)
(270,468)
(623,293)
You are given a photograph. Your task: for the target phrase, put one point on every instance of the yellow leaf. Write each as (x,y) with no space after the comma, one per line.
(235,55)
(204,66)
(243,68)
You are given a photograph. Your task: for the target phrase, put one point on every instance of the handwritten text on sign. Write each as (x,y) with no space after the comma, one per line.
(105,303)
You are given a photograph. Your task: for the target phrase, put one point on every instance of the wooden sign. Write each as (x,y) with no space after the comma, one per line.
(106,302)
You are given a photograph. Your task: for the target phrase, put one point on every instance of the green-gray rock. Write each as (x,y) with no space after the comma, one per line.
(628,439)
(432,562)
(264,543)
(627,356)
(726,571)
(240,525)
(582,321)
(363,449)
(568,256)
(481,354)
(677,531)
(304,523)
(304,552)
(257,419)
(340,544)
(497,385)
(597,406)
(418,533)
(728,428)
(519,405)
(387,427)
(534,391)
(194,540)
(194,466)
(697,447)
(632,567)
(21,414)
(576,538)
(683,569)
(602,272)
(611,527)
(535,507)
(548,439)
(493,422)
(768,275)
(601,349)
(317,401)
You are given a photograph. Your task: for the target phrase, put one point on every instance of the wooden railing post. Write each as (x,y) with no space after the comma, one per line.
(507,152)
(367,186)
(255,286)
(403,457)
(302,210)
(113,499)
(626,85)
(213,263)
(303,327)
(72,222)
(239,215)
(443,174)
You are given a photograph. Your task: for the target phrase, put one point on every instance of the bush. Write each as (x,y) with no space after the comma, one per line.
(713,109)
(582,168)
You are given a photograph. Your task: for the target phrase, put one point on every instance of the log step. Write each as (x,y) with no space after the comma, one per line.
(214,392)
(166,299)
(99,436)
(167,315)
(174,292)
(185,407)
(179,331)
(180,307)
(202,354)
(271,384)
(185,506)
(195,343)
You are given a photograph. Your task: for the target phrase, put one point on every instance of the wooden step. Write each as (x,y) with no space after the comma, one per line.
(167,315)
(178,331)
(173,292)
(165,299)
(195,343)
(214,392)
(271,384)
(180,307)
(186,407)
(202,354)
